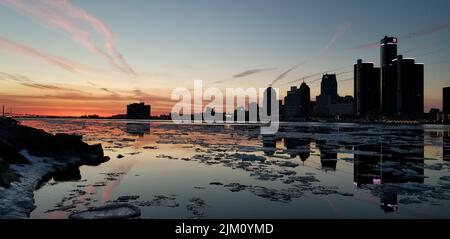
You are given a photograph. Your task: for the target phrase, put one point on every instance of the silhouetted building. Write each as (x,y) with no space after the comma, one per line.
(292,104)
(305,100)
(329,103)
(328,86)
(367,89)
(269,94)
(446,104)
(298,103)
(402,82)
(138,111)
(434,115)
(282,110)
(388,50)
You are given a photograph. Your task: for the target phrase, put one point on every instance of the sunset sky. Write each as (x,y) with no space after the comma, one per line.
(81,57)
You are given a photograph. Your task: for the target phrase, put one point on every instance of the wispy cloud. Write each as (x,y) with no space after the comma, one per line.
(60,62)
(420,32)
(78,23)
(45,86)
(252,72)
(428,30)
(303,78)
(25,81)
(365,46)
(340,31)
(14,77)
(247,73)
(107,90)
(284,74)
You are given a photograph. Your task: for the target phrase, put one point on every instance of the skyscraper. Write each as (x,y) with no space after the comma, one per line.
(410,87)
(403,88)
(269,105)
(446,100)
(328,86)
(297,103)
(292,104)
(388,50)
(367,90)
(138,111)
(329,103)
(402,82)
(305,100)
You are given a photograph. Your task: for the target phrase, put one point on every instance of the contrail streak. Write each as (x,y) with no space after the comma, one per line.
(247,73)
(317,74)
(421,32)
(340,31)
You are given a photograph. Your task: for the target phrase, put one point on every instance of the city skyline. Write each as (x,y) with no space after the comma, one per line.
(81,58)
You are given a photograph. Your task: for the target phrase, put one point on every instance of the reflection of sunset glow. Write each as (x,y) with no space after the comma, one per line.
(123,168)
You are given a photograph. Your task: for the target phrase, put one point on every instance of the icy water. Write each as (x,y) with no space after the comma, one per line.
(307,170)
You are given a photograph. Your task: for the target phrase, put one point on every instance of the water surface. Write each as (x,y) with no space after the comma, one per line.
(307,170)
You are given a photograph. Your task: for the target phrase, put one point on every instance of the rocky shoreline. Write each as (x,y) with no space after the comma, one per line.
(30,157)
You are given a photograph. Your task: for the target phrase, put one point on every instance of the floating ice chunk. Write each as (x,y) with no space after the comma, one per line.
(288,164)
(111,211)
(249,157)
(415,187)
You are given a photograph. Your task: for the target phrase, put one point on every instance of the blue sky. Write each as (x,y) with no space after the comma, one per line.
(170,43)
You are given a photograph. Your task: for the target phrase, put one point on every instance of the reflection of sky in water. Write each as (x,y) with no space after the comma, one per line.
(364,171)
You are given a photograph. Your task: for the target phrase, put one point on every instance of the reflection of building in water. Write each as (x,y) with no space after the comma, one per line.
(298,147)
(389,200)
(269,144)
(391,164)
(328,155)
(364,166)
(137,129)
(446,146)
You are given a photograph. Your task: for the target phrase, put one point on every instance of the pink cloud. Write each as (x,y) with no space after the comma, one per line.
(60,62)
(78,23)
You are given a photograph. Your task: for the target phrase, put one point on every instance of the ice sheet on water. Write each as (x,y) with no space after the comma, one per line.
(110,211)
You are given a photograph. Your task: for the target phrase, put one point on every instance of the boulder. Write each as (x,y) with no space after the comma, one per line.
(6,176)
(61,147)
(10,154)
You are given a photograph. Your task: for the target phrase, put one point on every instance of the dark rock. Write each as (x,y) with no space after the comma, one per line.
(16,137)
(68,138)
(120,156)
(10,154)
(68,175)
(6,176)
